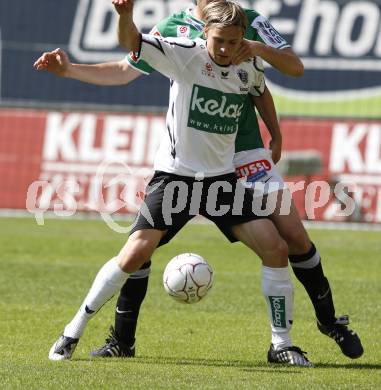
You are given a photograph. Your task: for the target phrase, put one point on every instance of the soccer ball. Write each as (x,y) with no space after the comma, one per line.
(187,278)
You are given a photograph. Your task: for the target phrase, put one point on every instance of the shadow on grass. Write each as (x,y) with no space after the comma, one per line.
(179,361)
(352,366)
(241,364)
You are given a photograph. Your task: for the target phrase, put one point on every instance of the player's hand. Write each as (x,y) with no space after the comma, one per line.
(56,62)
(276,149)
(123,6)
(248,49)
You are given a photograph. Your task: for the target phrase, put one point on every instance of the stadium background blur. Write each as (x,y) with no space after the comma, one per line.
(55,132)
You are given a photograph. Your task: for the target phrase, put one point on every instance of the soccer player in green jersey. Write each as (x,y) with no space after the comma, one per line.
(303,255)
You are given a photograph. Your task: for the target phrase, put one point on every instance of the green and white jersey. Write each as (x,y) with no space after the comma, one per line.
(184,24)
(206,102)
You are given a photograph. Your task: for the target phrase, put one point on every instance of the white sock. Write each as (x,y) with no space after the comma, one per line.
(108,281)
(278,292)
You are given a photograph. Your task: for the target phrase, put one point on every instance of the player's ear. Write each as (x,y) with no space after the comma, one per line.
(206,29)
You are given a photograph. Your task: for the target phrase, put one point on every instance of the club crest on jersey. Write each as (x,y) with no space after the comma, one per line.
(224,75)
(243,75)
(183,31)
(208,70)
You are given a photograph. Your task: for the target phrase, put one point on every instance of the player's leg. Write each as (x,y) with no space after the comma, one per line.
(111,277)
(306,264)
(121,341)
(262,237)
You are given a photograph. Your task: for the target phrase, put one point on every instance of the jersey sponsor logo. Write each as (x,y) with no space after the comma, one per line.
(215,111)
(268,33)
(260,175)
(183,31)
(199,26)
(252,169)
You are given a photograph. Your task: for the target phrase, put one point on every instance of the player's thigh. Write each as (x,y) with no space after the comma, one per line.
(139,248)
(290,227)
(262,237)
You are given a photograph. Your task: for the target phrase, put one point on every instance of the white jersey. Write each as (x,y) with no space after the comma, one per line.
(205,105)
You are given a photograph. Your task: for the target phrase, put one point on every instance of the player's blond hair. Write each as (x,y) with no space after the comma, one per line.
(224,13)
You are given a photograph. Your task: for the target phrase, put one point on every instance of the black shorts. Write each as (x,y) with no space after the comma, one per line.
(171,201)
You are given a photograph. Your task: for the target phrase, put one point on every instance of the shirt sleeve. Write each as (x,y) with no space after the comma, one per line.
(268,34)
(168,56)
(259,85)
(141,65)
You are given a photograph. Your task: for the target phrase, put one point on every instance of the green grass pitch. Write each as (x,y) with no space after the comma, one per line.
(219,343)
(366,108)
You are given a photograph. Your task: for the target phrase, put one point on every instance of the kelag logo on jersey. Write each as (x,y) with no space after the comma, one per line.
(338,41)
(215,111)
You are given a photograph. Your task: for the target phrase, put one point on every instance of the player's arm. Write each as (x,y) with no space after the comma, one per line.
(267,43)
(106,74)
(164,55)
(285,60)
(264,103)
(266,109)
(128,34)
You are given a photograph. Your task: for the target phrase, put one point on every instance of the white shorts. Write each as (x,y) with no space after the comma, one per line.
(256,166)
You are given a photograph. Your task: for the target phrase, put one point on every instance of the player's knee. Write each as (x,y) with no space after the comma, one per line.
(276,255)
(134,255)
(297,241)
(282,250)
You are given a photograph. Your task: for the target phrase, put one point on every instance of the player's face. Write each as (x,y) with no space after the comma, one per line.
(223,43)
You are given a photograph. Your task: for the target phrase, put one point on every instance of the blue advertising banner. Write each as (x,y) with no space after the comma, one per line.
(338,41)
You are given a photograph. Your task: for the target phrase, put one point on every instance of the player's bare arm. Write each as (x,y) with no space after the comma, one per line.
(266,109)
(104,74)
(56,62)
(284,60)
(128,34)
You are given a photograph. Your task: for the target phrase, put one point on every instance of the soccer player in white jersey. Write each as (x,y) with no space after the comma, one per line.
(198,149)
(304,257)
